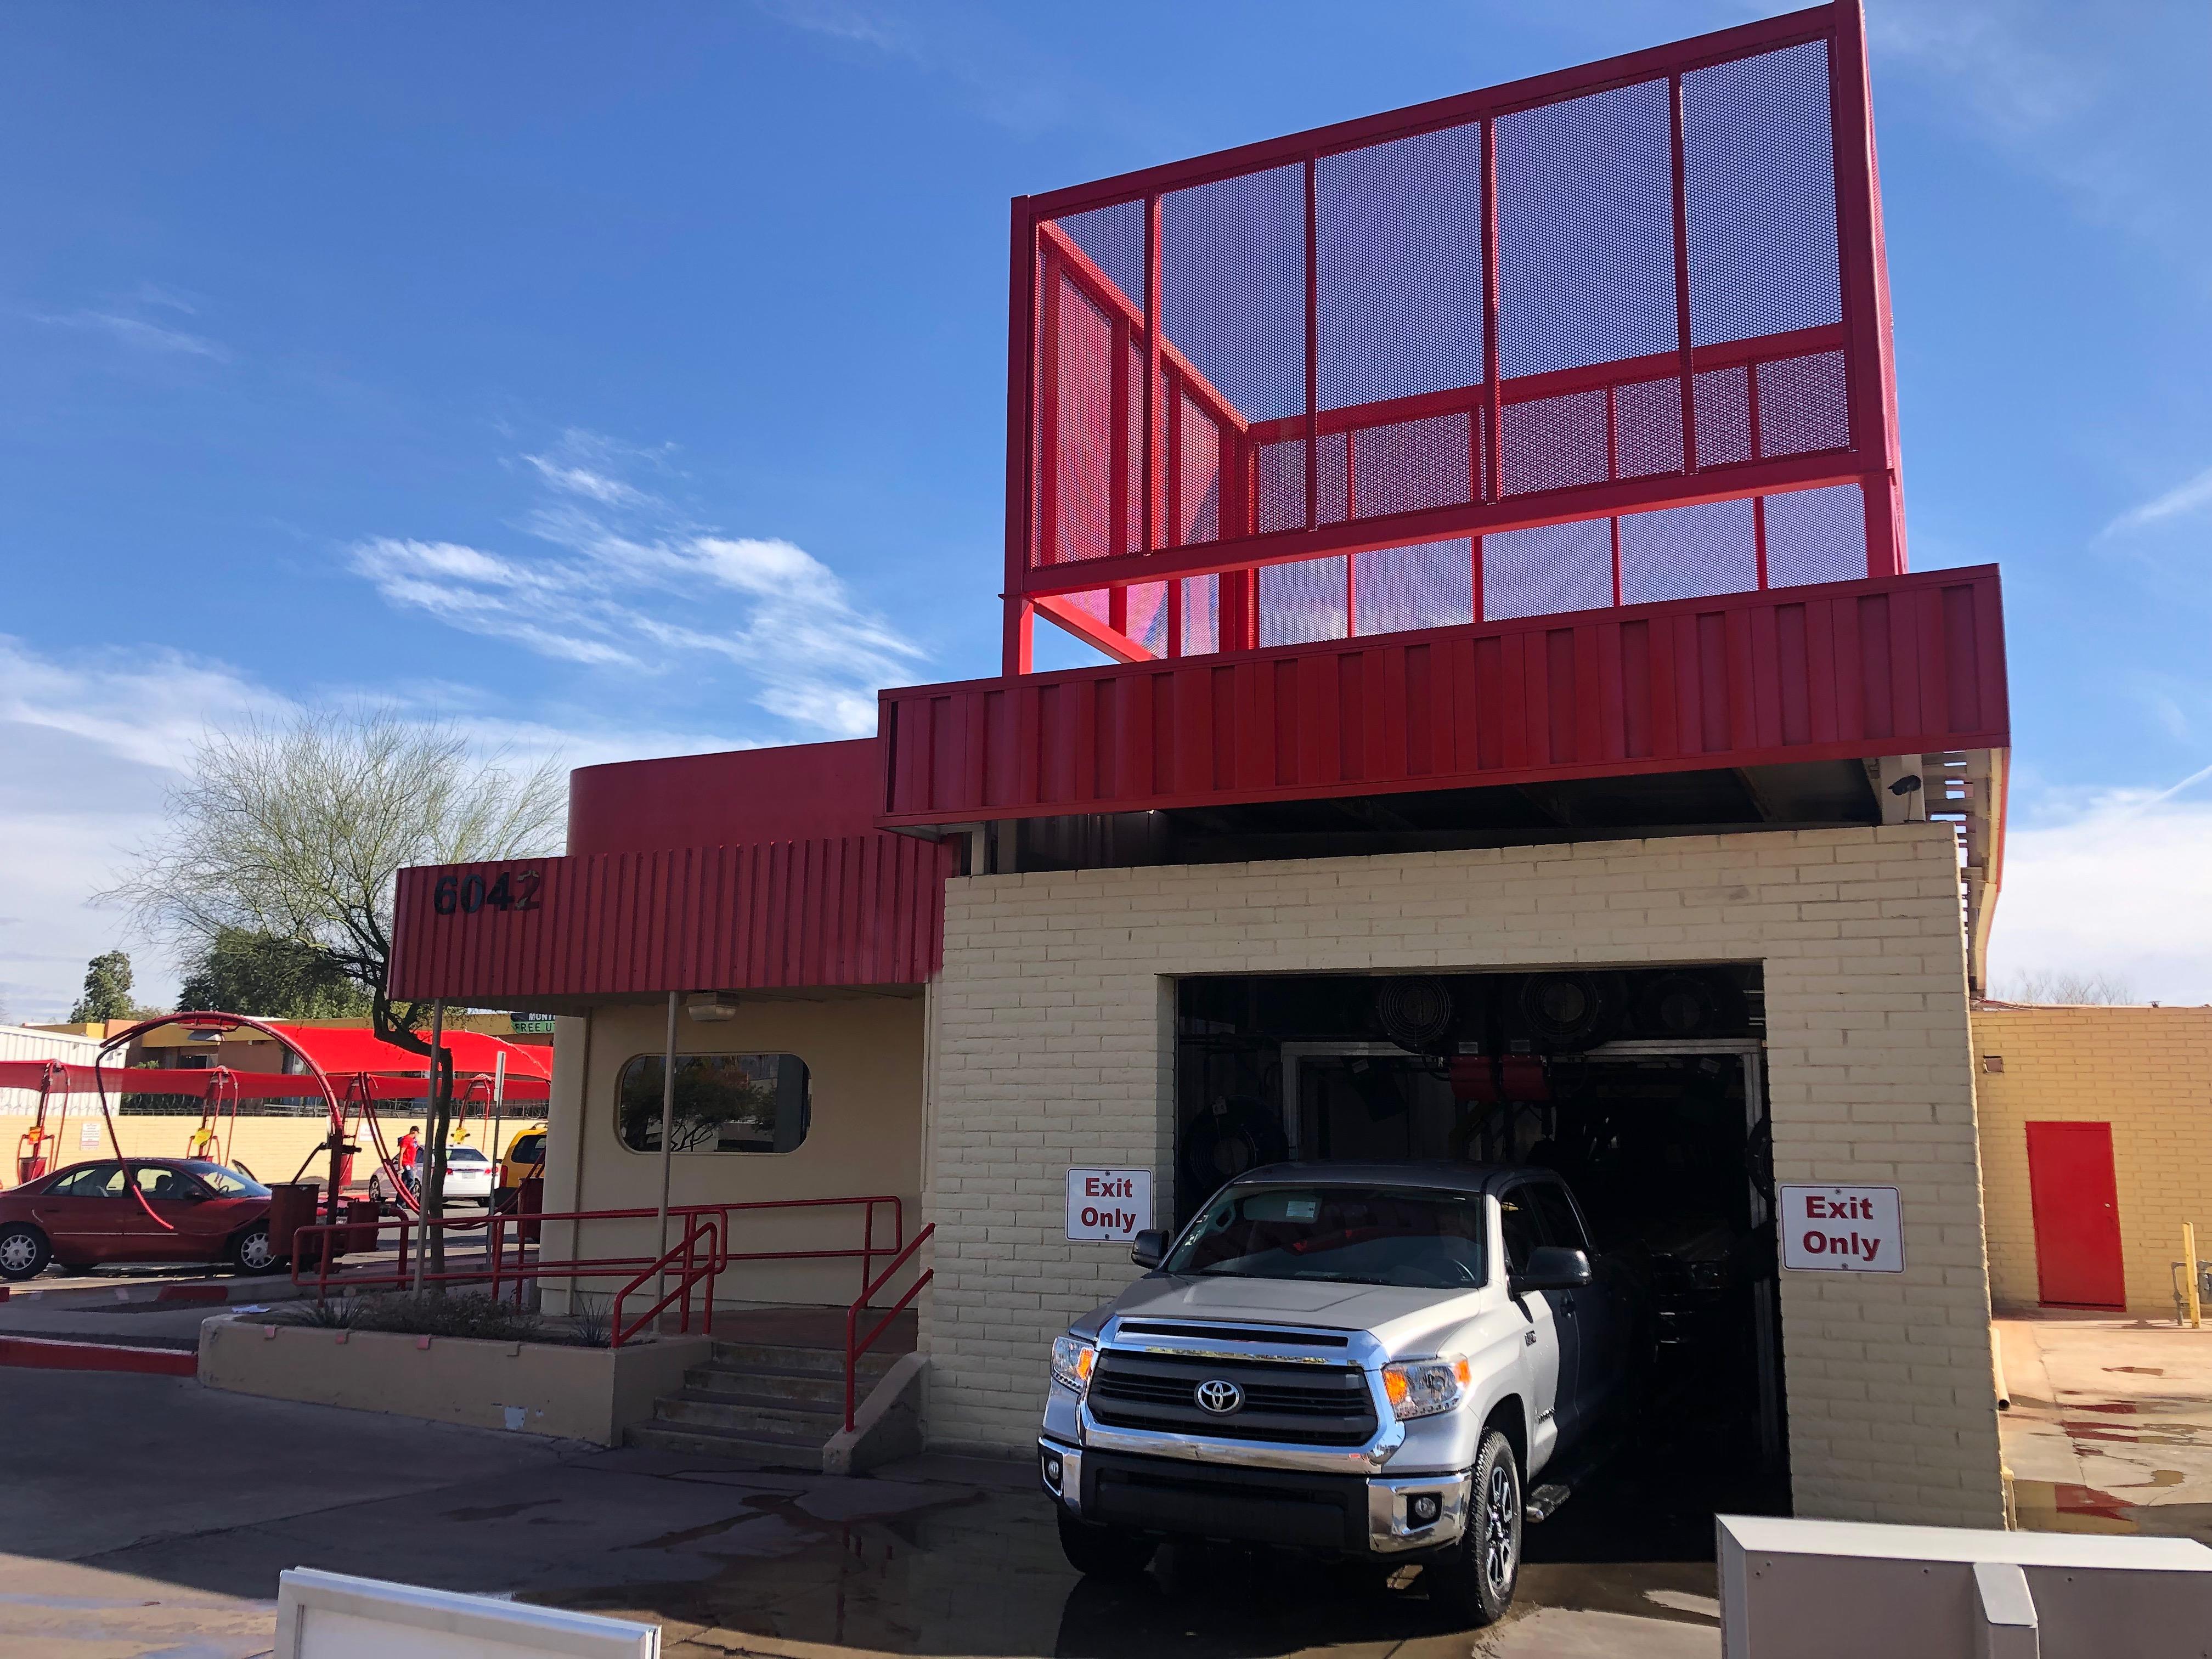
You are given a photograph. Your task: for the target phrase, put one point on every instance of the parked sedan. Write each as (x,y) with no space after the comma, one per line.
(468,1179)
(141,1209)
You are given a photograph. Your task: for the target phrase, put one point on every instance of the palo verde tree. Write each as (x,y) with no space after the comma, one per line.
(295,831)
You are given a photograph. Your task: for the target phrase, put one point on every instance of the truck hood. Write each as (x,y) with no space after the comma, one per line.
(1404,1322)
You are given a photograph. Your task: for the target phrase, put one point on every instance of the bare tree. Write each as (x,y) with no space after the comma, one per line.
(2097,987)
(296,831)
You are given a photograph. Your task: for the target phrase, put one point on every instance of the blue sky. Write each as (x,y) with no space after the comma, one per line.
(629,380)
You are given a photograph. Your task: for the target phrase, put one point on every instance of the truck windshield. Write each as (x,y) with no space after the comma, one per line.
(1354,1235)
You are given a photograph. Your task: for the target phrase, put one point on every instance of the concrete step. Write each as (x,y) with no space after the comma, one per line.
(823,1388)
(815,1423)
(765,1451)
(789,1356)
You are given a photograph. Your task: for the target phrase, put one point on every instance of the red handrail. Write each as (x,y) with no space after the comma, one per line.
(853,1349)
(711,1222)
(694,1271)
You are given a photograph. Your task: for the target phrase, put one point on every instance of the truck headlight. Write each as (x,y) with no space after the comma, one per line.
(1073,1361)
(1422,1388)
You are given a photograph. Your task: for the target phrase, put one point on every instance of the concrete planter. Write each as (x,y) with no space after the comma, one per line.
(533,1387)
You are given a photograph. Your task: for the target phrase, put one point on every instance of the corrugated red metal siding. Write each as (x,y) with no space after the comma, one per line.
(1889,665)
(843,911)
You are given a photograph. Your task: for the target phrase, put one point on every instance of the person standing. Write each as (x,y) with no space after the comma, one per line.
(410,1154)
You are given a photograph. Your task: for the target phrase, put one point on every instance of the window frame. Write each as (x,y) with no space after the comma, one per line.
(770,1149)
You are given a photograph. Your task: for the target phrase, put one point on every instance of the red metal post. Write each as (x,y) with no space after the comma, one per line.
(1020,379)
(1313,368)
(1683,322)
(1865,290)
(1493,485)
(1152,537)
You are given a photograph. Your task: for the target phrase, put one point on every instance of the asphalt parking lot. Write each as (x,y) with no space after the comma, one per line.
(150,1516)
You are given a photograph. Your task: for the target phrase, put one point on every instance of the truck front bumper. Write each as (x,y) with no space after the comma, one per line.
(1338,1514)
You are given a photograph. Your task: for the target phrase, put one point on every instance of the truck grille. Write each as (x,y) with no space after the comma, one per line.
(1304,1405)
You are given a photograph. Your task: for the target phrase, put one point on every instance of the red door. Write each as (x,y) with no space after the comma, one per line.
(2077,1215)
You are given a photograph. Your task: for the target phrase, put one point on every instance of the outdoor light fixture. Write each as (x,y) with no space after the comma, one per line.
(710,1007)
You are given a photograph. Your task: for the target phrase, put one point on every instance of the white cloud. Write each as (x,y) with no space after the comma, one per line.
(137,332)
(2115,882)
(90,742)
(2183,498)
(634,586)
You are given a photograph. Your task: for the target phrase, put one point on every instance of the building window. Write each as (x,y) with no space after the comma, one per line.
(724,1104)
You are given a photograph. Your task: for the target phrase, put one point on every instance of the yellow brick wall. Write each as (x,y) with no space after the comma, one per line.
(1053,1019)
(2147,1072)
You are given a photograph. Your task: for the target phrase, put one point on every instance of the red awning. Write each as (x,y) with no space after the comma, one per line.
(351,1048)
(60,1078)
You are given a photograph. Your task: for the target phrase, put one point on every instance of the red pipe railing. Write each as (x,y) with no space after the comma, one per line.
(854,1349)
(694,1271)
(508,1257)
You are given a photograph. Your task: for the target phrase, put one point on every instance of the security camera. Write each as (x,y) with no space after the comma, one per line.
(1907,785)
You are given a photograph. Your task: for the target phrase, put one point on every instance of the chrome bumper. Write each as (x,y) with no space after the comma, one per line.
(1393,1528)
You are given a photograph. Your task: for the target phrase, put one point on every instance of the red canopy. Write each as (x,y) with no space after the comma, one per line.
(72,1079)
(351,1048)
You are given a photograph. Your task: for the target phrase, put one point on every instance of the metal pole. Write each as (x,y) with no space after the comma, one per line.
(422,1182)
(667,1134)
(2189,1274)
(498,1112)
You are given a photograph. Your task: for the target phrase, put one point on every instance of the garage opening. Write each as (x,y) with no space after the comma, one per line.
(1646,1089)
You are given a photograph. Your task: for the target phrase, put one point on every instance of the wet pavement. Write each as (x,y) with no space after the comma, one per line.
(151,1517)
(2111,1425)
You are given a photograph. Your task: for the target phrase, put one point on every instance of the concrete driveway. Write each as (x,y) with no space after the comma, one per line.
(2111,1425)
(151,1516)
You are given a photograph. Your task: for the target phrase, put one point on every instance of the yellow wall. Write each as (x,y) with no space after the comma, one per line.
(2147,1072)
(865,1056)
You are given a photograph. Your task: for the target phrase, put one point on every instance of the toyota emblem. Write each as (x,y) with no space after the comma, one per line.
(1218,1395)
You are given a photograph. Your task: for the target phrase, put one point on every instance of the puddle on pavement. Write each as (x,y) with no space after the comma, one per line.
(947,1570)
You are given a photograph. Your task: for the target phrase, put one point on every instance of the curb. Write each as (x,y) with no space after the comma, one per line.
(282,1290)
(46,1353)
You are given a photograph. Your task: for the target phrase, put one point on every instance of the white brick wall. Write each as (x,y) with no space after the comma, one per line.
(1054,1047)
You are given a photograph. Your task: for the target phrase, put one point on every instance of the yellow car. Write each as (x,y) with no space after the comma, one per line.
(525,1156)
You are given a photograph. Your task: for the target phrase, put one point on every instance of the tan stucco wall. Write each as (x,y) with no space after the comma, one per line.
(864,1055)
(1053,1050)
(2147,1072)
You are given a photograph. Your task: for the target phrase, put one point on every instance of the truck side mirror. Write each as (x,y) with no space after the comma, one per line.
(1551,1268)
(1149,1248)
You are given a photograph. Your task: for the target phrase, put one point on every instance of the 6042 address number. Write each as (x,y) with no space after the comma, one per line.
(510,889)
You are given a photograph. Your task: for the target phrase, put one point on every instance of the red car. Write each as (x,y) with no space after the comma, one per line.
(194,1211)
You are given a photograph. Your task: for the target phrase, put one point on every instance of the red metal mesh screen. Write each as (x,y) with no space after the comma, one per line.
(1586,341)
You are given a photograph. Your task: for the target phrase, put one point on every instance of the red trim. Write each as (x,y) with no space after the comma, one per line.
(41,1354)
(1701,51)
(1598,501)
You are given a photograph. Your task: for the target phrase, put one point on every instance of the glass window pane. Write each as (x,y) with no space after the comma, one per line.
(723,1104)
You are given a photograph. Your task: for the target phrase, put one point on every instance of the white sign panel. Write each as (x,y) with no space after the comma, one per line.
(328,1615)
(1109,1206)
(1849,1230)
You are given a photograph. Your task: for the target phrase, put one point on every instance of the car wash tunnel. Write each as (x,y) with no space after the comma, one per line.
(1644,1090)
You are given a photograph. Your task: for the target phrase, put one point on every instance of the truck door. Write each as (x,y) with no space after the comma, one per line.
(1554,1354)
(1595,1312)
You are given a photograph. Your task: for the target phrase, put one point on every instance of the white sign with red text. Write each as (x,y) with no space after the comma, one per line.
(1109,1206)
(1851,1230)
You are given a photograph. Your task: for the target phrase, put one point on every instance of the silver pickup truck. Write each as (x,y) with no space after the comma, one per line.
(1369,1361)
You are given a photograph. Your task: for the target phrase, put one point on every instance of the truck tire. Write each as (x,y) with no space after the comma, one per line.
(1104,1552)
(1475,1582)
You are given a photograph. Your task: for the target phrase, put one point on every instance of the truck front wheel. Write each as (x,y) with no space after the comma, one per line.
(1475,1582)
(1104,1552)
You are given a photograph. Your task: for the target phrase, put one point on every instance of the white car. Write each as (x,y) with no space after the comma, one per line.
(469,1178)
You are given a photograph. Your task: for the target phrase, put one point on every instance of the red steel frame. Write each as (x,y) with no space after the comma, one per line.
(1034,587)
